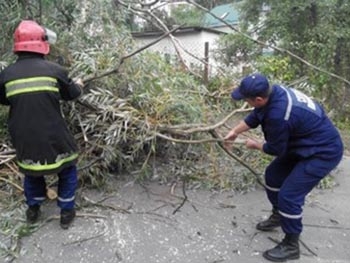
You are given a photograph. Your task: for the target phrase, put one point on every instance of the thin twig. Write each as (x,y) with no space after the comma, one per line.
(90,164)
(234,156)
(80,123)
(9,158)
(185,197)
(116,208)
(8,152)
(79,241)
(12,183)
(307,248)
(252,238)
(13,169)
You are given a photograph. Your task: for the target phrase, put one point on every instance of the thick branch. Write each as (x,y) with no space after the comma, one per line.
(194,141)
(201,127)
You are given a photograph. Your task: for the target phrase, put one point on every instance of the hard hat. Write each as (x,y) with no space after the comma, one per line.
(29,36)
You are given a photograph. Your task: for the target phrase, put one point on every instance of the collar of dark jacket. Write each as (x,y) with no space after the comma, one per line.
(24,55)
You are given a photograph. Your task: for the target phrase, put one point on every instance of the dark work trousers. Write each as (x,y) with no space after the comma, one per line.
(35,188)
(289,180)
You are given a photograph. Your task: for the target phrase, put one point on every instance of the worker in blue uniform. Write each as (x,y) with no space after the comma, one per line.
(32,87)
(307,147)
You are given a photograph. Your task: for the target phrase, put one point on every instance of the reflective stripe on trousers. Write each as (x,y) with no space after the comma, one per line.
(288,183)
(35,188)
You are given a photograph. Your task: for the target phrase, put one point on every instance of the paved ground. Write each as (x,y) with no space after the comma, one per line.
(137,225)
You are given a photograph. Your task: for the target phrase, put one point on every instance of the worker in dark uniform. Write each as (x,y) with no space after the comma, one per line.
(33,88)
(307,147)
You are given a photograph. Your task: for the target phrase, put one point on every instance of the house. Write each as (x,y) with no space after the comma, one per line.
(190,42)
(228,12)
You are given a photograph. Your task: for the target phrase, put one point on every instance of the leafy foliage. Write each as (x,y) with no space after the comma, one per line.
(187,15)
(13,228)
(129,109)
(276,67)
(316,31)
(235,49)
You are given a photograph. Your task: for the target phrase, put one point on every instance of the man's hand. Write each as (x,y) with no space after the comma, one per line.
(254,145)
(229,138)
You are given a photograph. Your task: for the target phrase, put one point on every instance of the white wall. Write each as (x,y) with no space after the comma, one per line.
(193,42)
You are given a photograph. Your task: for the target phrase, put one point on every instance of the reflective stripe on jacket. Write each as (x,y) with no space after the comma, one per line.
(33,88)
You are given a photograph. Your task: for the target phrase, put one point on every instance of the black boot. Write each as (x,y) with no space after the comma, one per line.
(67,217)
(271,223)
(287,249)
(33,213)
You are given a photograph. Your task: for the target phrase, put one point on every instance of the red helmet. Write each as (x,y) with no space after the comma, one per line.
(31,37)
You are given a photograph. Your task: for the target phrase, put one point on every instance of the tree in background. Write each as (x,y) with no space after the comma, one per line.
(187,15)
(316,31)
(179,14)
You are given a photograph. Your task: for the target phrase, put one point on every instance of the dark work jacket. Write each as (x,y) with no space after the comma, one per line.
(294,124)
(33,88)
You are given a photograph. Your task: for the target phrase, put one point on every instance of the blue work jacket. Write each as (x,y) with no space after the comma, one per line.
(294,124)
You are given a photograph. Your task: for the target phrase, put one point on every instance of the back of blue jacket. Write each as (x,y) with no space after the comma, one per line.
(293,123)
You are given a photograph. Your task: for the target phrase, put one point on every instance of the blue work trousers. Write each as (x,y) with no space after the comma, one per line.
(289,180)
(35,188)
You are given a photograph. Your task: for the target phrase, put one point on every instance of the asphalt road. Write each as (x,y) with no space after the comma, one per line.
(141,224)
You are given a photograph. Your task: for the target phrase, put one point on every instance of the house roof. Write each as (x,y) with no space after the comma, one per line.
(182,30)
(227,12)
